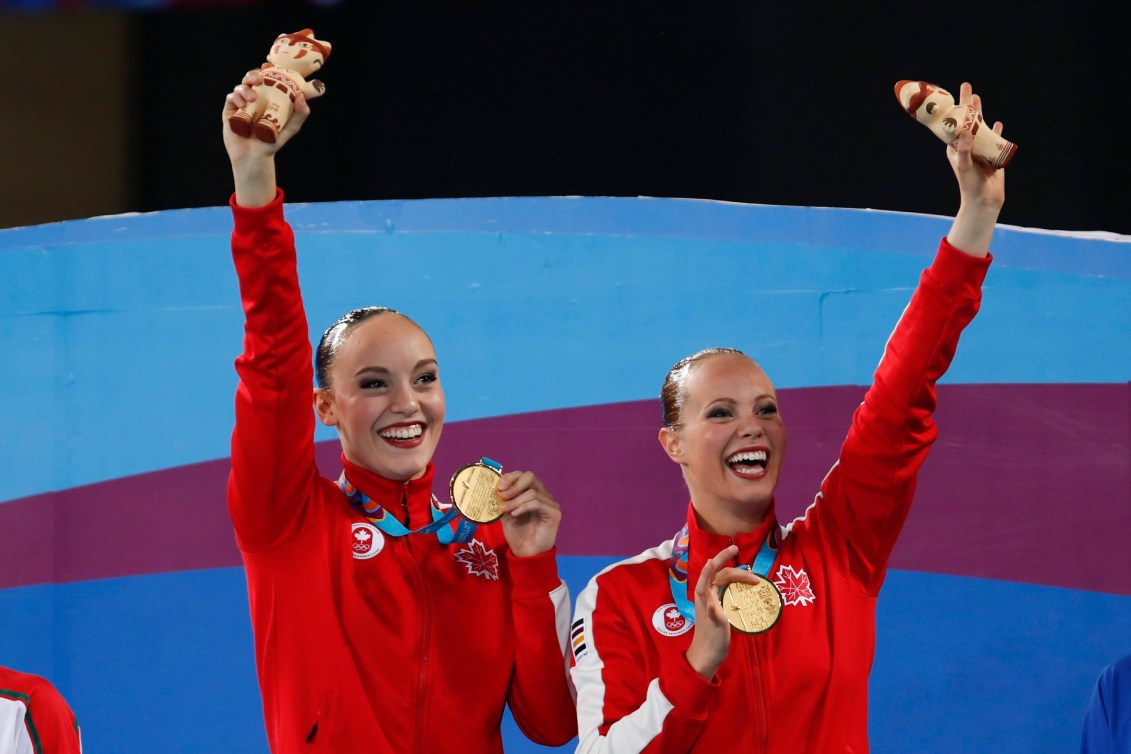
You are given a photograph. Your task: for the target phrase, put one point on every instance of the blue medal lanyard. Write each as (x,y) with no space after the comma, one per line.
(677,567)
(441,518)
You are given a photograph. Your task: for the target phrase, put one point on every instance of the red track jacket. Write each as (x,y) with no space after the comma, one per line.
(366,642)
(803,685)
(34,716)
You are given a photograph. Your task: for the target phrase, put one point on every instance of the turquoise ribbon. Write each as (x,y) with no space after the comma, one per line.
(389,524)
(677,567)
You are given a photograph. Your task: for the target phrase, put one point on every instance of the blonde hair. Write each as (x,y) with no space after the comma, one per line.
(673,394)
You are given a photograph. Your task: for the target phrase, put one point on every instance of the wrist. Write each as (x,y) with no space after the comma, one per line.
(254,182)
(703,662)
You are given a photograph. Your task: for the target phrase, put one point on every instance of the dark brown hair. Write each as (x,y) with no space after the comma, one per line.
(336,333)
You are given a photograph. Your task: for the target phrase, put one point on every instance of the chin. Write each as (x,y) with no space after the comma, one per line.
(403,472)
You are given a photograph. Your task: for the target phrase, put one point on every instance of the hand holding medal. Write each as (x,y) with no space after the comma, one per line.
(727,597)
(482,493)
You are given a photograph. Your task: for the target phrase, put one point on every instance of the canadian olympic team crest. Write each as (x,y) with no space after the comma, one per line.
(367,541)
(669,621)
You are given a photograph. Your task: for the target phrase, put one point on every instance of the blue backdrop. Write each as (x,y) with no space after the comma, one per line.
(119,335)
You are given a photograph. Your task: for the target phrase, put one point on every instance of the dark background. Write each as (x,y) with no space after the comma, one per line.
(753,102)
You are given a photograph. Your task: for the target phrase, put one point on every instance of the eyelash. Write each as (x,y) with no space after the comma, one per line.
(722,413)
(425,379)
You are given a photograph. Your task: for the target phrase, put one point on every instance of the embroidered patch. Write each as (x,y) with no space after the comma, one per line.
(794,586)
(367,541)
(479,560)
(577,639)
(669,621)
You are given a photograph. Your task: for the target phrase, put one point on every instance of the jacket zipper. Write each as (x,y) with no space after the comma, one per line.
(755,687)
(424,614)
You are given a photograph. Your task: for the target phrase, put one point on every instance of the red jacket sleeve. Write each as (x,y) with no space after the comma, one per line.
(868,493)
(273,468)
(622,706)
(540,694)
(48,717)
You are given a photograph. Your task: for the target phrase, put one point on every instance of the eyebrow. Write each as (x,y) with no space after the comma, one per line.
(384,370)
(734,401)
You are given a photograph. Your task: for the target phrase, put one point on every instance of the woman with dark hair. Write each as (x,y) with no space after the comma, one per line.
(741,634)
(381,622)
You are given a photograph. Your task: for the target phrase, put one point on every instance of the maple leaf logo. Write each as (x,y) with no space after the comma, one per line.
(668,621)
(479,560)
(673,619)
(794,586)
(367,541)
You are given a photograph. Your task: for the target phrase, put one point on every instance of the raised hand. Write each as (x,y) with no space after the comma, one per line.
(711,642)
(253,161)
(982,189)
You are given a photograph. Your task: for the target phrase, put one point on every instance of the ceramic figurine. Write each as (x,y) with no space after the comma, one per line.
(292,58)
(934,107)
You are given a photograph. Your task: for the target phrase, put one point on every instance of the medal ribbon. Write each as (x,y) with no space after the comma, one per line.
(677,567)
(383,520)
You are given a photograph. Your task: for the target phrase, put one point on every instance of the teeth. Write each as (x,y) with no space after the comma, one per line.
(402,433)
(758,456)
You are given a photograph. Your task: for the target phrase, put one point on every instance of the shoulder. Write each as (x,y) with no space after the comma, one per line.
(640,571)
(1118,674)
(34,688)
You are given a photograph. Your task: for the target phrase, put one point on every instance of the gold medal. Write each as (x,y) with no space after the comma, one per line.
(475,492)
(752,608)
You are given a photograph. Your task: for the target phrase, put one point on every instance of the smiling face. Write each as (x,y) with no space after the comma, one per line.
(729,441)
(384,397)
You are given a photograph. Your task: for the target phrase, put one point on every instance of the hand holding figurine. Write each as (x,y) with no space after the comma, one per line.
(292,58)
(935,108)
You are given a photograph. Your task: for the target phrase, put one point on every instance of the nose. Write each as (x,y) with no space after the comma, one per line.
(404,400)
(751,428)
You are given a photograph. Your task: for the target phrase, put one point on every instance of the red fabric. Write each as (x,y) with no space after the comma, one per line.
(415,648)
(48,722)
(802,686)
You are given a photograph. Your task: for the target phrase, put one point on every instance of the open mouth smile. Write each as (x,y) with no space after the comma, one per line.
(403,435)
(749,464)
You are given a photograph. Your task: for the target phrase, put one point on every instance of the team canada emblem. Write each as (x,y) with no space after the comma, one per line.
(367,541)
(669,621)
(479,560)
(794,586)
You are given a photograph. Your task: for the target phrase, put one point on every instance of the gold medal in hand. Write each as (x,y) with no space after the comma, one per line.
(752,608)
(475,491)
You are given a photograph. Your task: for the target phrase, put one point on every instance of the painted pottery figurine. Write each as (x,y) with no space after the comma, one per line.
(292,58)
(934,107)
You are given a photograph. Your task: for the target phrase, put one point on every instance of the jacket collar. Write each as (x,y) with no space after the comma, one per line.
(413,497)
(704,545)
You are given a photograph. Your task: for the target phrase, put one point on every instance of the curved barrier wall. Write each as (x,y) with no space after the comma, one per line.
(555,320)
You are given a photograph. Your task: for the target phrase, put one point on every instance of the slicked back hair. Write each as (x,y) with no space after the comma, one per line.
(674,392)
(336,333)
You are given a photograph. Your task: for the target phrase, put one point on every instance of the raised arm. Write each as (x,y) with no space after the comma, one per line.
(273,466)
(253,161)
(868,493)
(981,190)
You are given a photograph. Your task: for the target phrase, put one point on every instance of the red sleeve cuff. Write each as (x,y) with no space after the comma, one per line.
(952,266)
(248,218)
(689,692)
(535,576)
